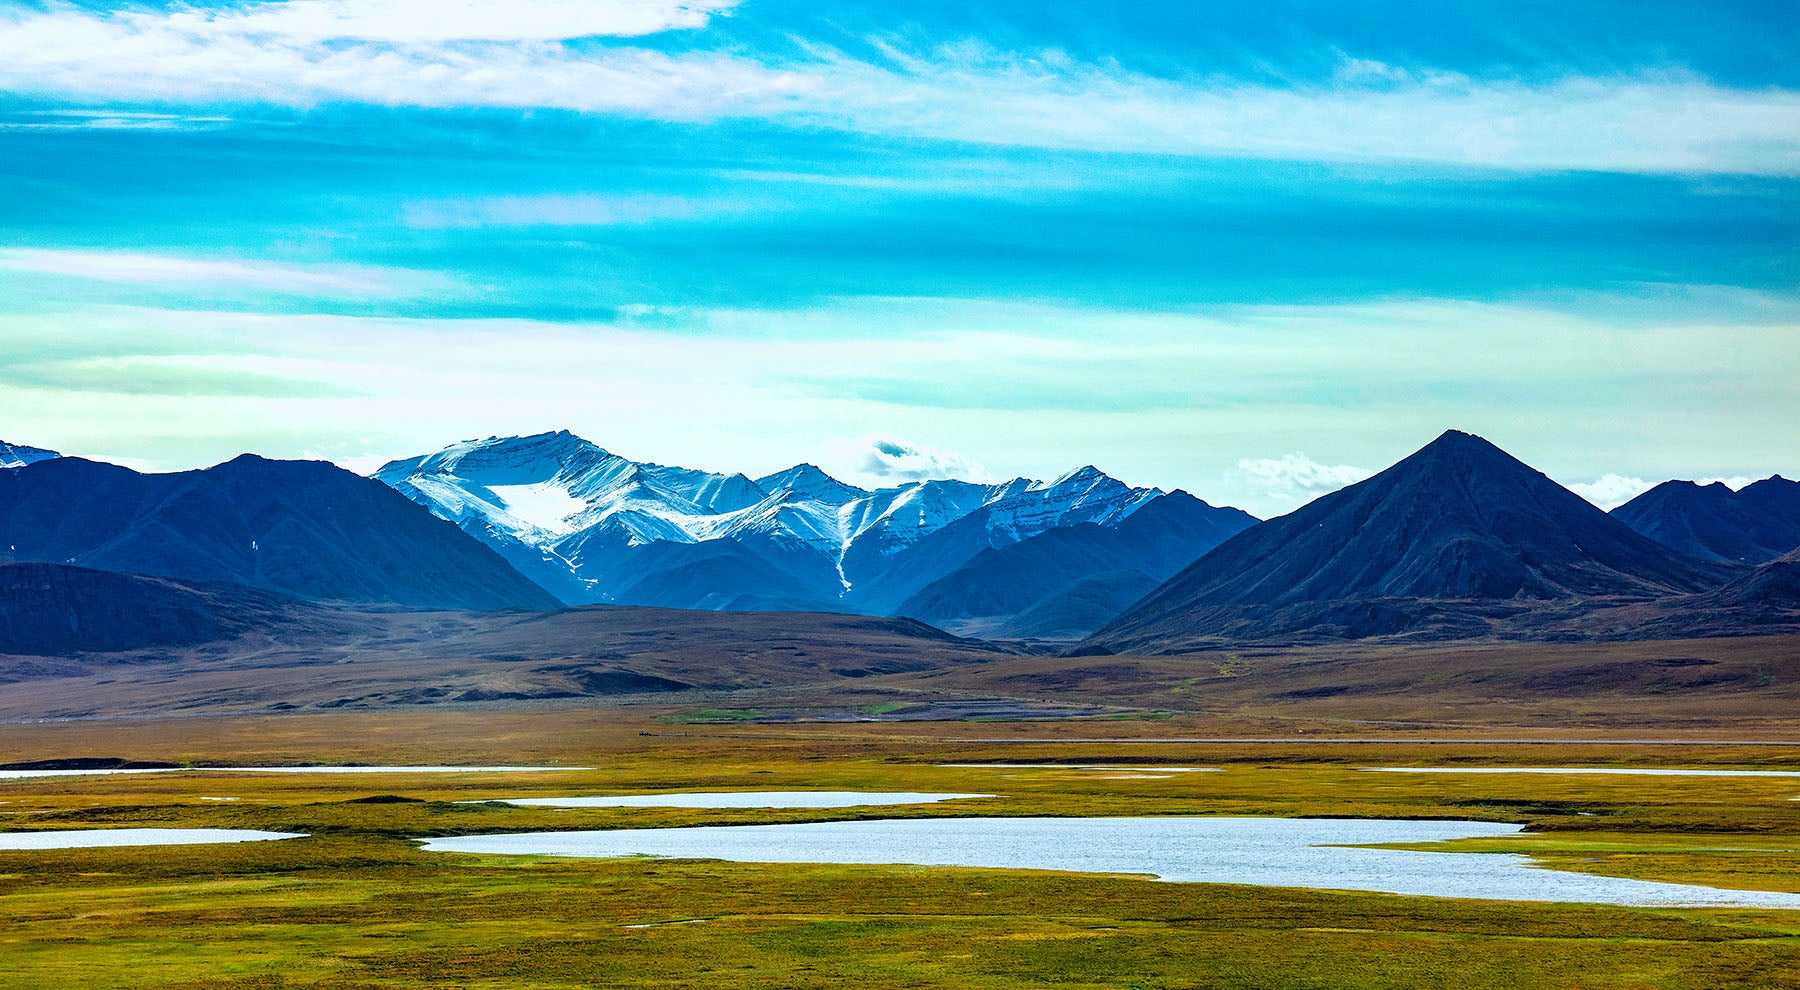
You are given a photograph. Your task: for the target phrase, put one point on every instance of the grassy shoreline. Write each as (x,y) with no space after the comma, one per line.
(357,905)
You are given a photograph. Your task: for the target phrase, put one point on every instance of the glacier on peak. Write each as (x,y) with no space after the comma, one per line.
(573,515)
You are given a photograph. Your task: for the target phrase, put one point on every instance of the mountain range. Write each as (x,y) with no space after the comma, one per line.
(1445,543)
(1752,525)
(590,526)
(1458,540)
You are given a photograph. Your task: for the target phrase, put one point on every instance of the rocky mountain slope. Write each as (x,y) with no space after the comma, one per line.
(1755,524)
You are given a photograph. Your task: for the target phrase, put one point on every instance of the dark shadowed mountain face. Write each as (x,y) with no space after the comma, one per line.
(50,609)
(1460,520)
(1712,522)
(1077,609)
(1036,574)
(302,528)
(717,575)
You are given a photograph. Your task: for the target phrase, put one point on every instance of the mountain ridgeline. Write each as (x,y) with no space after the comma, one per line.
(1454,541)
(302,528)
(19,455)
(592,527)
(1457,541)
(1752,525)
(1068,581)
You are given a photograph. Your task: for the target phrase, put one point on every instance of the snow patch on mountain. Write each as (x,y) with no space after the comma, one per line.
(546,505)
(582,505)
(18,455)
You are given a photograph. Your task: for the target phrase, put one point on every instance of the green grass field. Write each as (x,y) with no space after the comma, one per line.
(357,905)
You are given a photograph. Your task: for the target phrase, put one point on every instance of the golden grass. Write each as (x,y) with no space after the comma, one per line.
(357,905)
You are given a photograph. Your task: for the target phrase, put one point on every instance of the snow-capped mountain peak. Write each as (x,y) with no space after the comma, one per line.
(807,482)
(14,455)
(569,512)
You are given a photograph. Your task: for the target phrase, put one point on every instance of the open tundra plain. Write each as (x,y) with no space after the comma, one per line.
(357,902)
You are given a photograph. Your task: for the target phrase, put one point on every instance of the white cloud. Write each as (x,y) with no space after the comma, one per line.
(111,120)
(159,269)
(415,21)
(885,462)
(550,210)
(1298,478)
(1612,490)
(307,52)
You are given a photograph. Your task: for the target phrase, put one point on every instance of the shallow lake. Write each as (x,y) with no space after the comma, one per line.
(740,799)
(32,774)
(1281,852)
(98,838)
(1077,766)
(29,774)
(1647,772)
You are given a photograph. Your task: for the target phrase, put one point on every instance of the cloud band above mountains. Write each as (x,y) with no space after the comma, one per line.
(548,55)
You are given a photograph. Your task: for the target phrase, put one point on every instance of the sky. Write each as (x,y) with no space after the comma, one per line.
(1252,251)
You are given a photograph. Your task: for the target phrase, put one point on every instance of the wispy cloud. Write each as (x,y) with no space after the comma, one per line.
(551,210)
(414,21)
(165,270)
(108,120)
(517,55)
(888,461)
(1610,491)
(1297,478)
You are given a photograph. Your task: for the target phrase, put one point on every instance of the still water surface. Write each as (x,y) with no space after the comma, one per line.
(1280,852)
(31,774)
(1646,772)
(740,799)
(98,838)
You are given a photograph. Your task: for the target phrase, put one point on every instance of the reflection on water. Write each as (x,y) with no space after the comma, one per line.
(97,838)
(740,799)
(1647,771)
(1282,852)
(30,774)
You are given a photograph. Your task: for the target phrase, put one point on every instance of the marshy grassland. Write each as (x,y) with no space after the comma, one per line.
(359,905)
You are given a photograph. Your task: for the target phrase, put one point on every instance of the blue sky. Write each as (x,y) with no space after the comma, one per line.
(1253,253)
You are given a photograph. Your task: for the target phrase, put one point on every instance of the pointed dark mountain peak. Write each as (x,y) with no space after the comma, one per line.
(1466,449)
(1458,520)
(1457,438)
